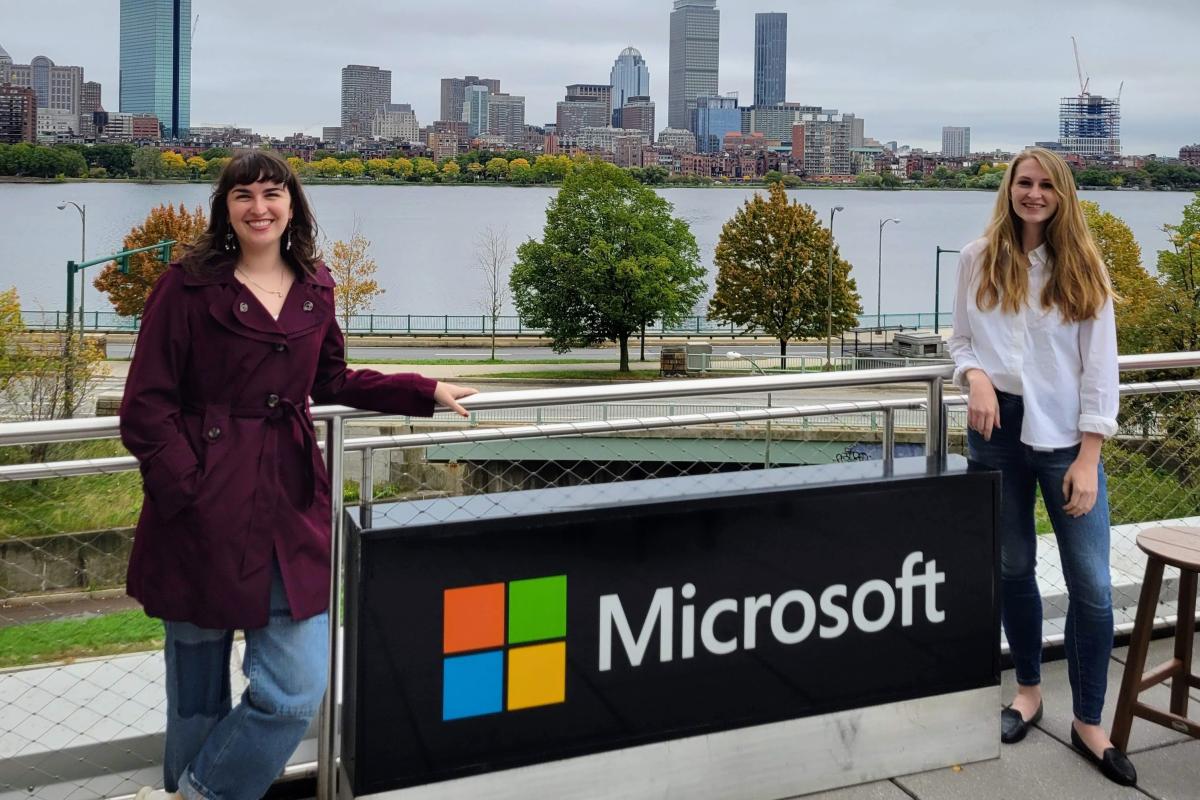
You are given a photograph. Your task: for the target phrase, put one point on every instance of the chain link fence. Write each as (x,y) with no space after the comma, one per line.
(82,707)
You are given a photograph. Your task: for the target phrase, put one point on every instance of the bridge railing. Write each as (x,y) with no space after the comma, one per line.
(470,324)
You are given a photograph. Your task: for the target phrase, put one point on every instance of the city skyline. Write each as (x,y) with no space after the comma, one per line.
(1002,79)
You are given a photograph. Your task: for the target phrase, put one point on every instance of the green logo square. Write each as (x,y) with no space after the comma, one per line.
(537,609)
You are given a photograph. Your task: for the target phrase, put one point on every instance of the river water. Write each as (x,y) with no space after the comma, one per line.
(424,237)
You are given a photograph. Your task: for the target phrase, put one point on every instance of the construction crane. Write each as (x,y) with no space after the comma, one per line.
(195,22)
(1083,84)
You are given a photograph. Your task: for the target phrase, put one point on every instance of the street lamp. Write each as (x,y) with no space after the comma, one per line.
(82,252)
(879,280)
(767,450)
(937,284)
(829,295)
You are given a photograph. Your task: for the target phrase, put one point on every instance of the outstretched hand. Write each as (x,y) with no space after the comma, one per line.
(448,395)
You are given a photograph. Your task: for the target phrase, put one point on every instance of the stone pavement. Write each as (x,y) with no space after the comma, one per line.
(1046,767)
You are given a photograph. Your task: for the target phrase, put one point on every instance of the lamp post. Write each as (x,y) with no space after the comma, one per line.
(82,253)
(761,371)
(937,283)
(879,280)
(829,295)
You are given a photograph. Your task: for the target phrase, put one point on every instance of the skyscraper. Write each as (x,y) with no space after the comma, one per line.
(956,142)
(715,117)
(506,117)
(695,58)
(365,90)
(156,62)
(770,58)
(475,110)
(629,78)
(453,95)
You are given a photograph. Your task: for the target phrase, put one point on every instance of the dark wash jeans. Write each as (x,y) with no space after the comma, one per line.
(1083,546)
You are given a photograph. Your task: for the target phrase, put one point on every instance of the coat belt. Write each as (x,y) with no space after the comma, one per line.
(285,412)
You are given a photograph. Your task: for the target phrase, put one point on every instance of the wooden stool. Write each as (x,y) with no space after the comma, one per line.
(1179,547)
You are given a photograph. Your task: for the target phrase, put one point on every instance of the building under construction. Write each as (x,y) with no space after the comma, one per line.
(1090,125)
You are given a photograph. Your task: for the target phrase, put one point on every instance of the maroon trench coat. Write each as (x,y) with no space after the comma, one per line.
(216,411)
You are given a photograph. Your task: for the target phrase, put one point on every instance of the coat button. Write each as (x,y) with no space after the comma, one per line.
(272,400)
(280,347)
(214,433)
(243,307)
(308,305)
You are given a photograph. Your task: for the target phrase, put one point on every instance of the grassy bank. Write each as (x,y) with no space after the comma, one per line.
(62,640)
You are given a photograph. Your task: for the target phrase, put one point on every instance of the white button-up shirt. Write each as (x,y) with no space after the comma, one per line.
(1066,372)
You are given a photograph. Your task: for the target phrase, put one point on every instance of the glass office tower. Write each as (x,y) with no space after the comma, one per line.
(156,62)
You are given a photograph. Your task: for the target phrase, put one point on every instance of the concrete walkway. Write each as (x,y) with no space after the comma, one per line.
(1046,767)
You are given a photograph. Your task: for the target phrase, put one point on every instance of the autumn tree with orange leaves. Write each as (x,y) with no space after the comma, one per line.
(128,292)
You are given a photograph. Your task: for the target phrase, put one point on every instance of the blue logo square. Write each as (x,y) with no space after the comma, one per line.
(473,685)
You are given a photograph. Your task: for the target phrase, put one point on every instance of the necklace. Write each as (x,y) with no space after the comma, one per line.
(277,292)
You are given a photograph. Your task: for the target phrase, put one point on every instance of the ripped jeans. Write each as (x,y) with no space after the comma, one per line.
(218,752)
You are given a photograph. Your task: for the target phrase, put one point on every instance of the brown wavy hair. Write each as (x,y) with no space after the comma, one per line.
(1079,285)
(208,254)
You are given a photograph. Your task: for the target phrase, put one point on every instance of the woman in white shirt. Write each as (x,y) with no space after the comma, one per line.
(1035,344)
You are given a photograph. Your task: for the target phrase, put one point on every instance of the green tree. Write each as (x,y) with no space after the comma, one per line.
(116,159)
(611,259)
(1177,269)
(148,163)
(773,272)
(1141,296)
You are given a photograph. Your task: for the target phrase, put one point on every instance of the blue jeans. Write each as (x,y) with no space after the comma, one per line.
(216,752)
(1083,546)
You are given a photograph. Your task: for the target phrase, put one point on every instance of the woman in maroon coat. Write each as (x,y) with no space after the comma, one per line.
(235,528)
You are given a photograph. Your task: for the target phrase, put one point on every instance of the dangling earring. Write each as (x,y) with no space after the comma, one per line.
(289,239)
(230,244)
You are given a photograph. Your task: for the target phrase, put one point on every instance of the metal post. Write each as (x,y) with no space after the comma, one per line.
(933,425)
(879,279)
(889,440)
(327,743)
(937,283)
(829,295)
(366,488)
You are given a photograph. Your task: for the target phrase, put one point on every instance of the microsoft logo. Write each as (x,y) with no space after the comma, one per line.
(497,640)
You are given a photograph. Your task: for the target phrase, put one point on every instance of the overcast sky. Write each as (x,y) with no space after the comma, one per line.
(908,68)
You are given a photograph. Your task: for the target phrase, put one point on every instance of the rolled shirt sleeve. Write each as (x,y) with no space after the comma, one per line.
(1099,386)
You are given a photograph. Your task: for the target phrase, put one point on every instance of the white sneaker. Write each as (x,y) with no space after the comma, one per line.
(150,793)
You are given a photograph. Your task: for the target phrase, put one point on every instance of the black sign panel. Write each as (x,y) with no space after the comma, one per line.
(491,632)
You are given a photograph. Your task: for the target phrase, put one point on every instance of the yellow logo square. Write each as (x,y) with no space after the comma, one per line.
(537,675)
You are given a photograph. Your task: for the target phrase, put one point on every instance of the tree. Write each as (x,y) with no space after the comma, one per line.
(497,168)
(1141,296)
(450,169)
(128,292)
(353,168)
(174,164)
(611,259)
(43,379)
(425,168)
(116,159)
(197,166)
(773,272)
(402,167)
(147,163)
(493,255)
(353,270)
(1177,270)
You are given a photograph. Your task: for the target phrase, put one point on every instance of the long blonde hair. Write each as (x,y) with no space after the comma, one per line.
(1078,284)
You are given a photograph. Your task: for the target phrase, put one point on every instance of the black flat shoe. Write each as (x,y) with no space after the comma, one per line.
(1115,765)
(1013,726)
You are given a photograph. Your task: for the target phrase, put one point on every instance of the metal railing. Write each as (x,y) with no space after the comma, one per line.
(457,461)
(474,324)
